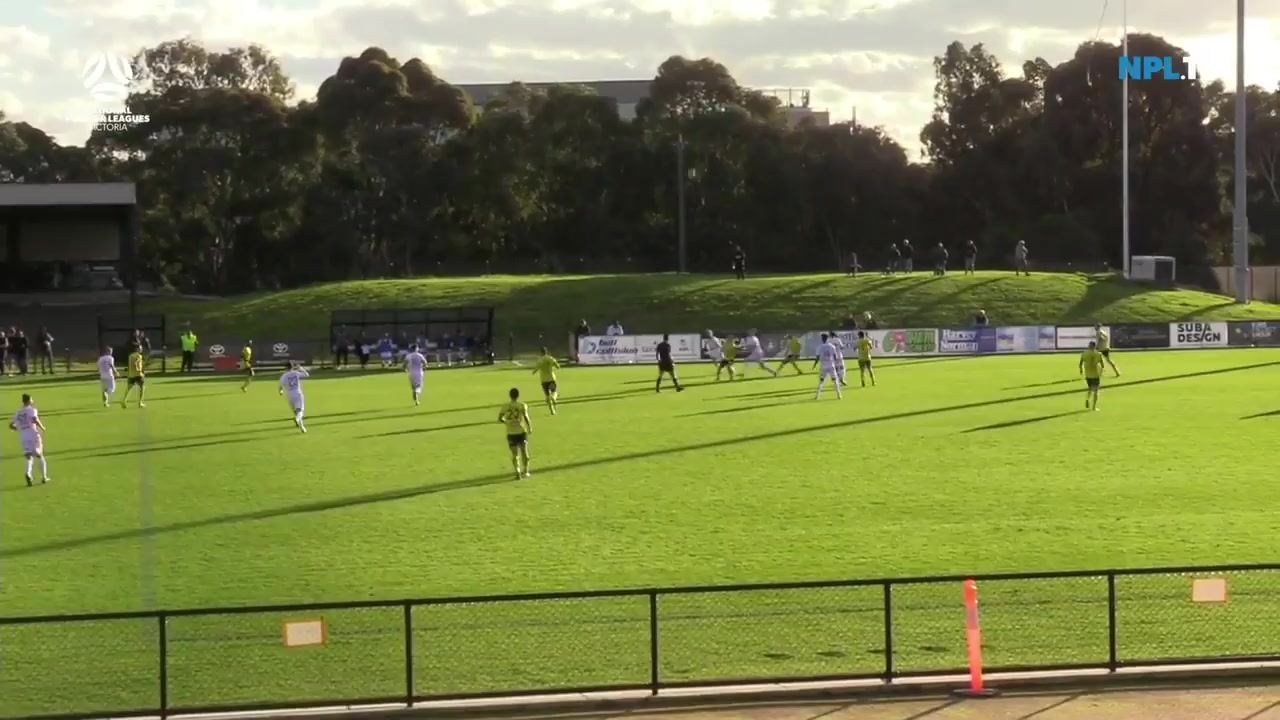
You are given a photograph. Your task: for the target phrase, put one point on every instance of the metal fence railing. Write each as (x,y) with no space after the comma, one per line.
(407,651)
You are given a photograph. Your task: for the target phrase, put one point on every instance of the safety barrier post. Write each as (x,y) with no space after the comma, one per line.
(973,637)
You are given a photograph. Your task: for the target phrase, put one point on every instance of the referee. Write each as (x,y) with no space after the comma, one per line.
(189,343)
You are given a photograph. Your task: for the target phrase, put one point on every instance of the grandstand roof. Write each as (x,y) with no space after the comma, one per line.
(33,195)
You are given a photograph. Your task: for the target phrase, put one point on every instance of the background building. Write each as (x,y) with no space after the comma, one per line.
(626,94)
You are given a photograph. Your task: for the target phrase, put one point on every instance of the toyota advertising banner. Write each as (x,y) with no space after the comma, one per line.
(1078,337)
(1147,336)
(1198,334)
(1251,334)
(636,349)
(1026,338)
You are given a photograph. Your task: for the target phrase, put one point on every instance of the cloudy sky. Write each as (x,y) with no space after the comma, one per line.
(872,54)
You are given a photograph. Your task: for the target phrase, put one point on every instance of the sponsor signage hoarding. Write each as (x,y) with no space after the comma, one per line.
(635,349)
(1025,338)
(1266,334)
(1198,334)
(1077,337)
(1140,335)
(958,341)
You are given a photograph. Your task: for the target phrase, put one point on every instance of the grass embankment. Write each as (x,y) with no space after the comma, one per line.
(533,307)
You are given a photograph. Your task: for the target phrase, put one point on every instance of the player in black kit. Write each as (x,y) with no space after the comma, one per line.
(666,365)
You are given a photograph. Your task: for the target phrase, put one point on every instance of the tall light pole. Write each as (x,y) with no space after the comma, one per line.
(1239,214)
(1124,142)
(680,182)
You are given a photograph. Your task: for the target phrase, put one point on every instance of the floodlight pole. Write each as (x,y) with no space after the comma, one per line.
(680,191)
(1124,144)
(1239,213)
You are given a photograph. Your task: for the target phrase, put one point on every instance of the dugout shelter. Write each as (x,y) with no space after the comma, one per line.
(69,236)
(465,328)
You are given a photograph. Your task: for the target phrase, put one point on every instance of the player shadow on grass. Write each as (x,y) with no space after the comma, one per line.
(1255,416)
(1043,384)
(542,472)
(1024,421)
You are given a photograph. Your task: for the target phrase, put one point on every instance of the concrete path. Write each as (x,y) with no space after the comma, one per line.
(1250,703)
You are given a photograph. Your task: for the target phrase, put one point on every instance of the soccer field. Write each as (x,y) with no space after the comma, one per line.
(210,497)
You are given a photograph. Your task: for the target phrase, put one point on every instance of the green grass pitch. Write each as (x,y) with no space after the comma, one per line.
(950,465)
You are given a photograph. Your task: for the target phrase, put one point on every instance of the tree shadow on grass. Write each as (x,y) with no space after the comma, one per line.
(454,485)
(1041,385)
(1269,413)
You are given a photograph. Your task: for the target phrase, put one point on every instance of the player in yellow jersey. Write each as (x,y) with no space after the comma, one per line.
(515,417)
(246,364)
(794,348)
(864,359)
(1091,362)
(137,368)
(546,368)
(1104,347)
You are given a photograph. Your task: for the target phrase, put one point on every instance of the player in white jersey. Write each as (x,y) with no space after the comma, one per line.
(416,364)
(291,383)
(827,354)
(716,349)
(755,353)
(27,422)
(838,344)
(107,374)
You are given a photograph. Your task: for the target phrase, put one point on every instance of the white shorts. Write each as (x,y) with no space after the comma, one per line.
(386,357)
(295,403)
(756,357)
(108,384)
(828,371)
(415,381)
(32,445)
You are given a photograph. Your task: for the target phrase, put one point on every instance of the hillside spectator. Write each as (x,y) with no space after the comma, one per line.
(5,360)
(579,332)
(363,351)
(980,319)
(189,343)
(854,267)
(970,257)
(894,262)
(341,350)
(614,330)
(739,262)
(1020,259)
(44,343)
(869,321)
(940,260)
(18,349)
(908,257)
(850,322)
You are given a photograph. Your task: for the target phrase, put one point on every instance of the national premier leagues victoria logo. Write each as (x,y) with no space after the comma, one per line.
(109,79)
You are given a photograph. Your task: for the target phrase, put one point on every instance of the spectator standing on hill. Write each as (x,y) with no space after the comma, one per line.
(1020,259)
(970,257)
(189,343)
(854,267)
(940,260)
(908,257)
(895,260)
(342,350)
(45,345)
(869,321)
(363,350)
(5,359)
(615,330)
(980,319)
(579,332)
(850,322)
(739,262)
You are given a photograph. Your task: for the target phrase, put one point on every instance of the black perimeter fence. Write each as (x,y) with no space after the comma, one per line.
(411,651)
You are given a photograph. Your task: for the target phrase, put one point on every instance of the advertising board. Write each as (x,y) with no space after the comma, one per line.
(1264,334)
(900,343)
(1025,338)
(1140,336)
(635,349)
(958,341)
(1077,337)
(1197,334)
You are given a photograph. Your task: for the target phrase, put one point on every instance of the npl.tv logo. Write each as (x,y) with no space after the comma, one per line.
(1153,67)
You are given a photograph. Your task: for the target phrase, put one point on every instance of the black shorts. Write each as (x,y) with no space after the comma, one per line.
(726,362)
(1106,353)
(137,381)
(791,357)
(864,364)
(549,387)
(518,440)
(666,366)
(1093,383)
